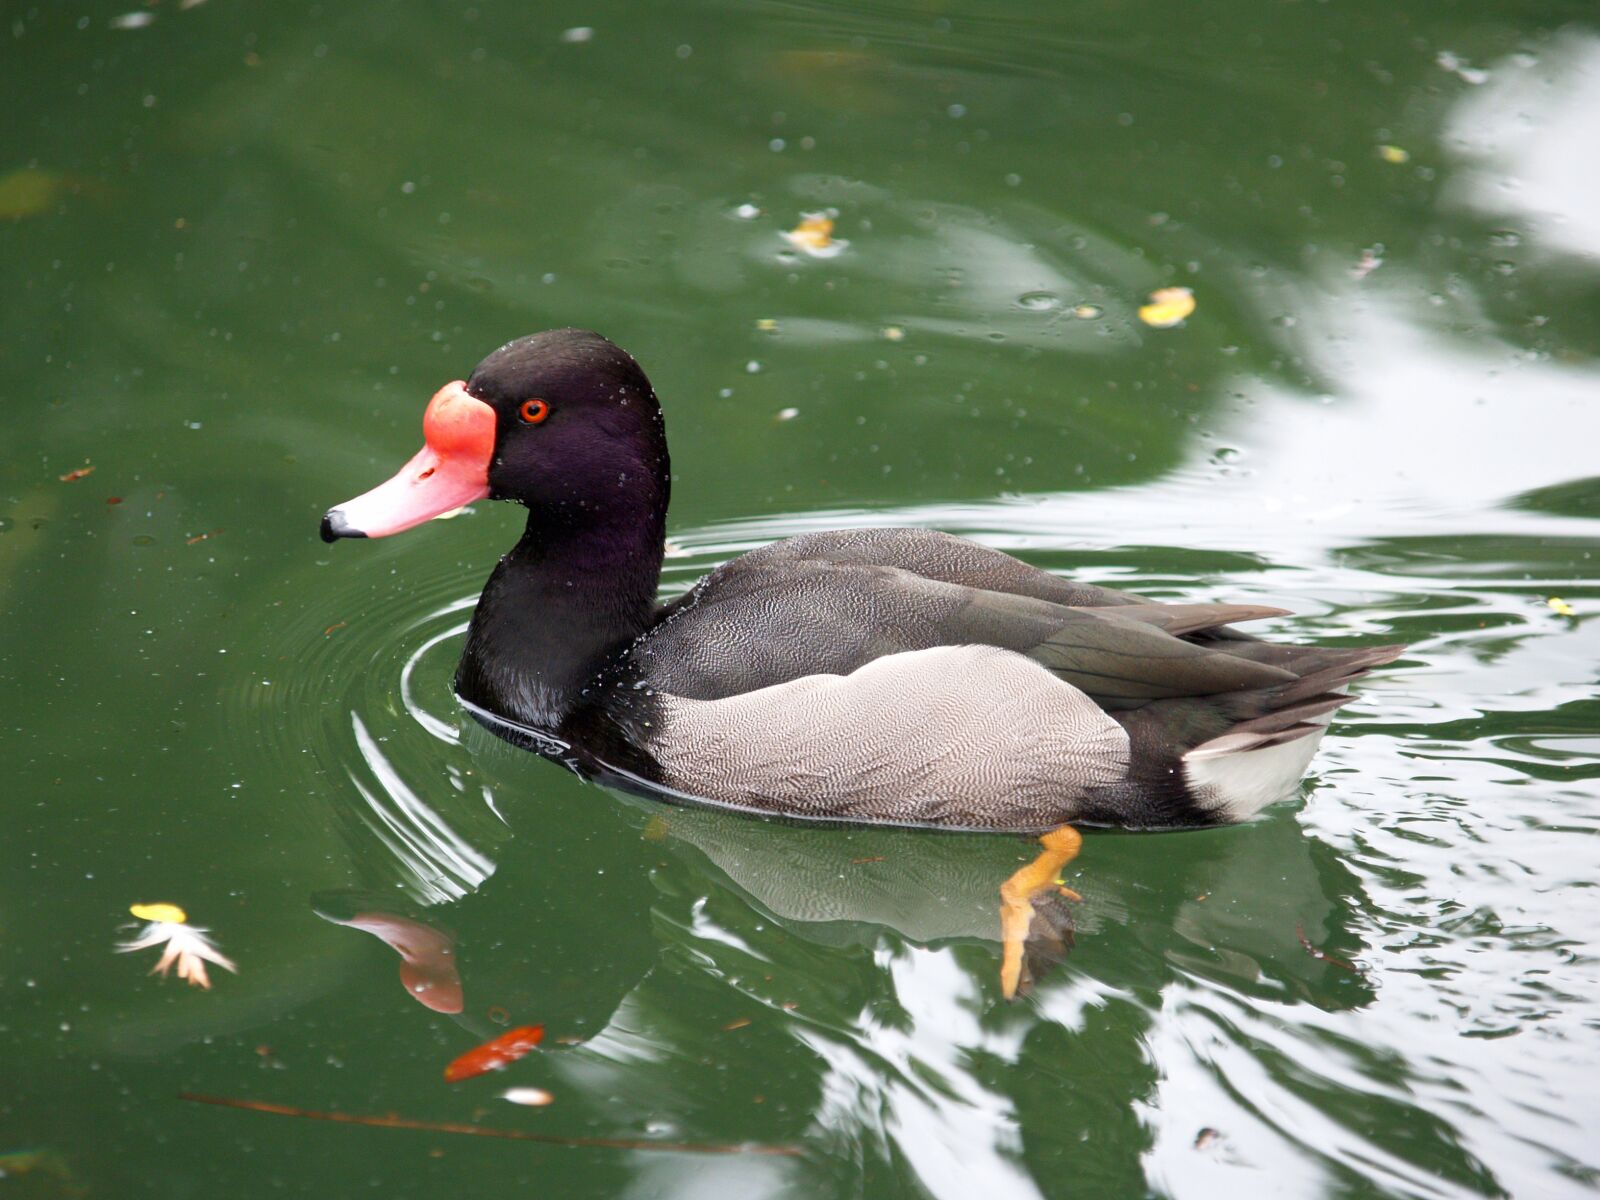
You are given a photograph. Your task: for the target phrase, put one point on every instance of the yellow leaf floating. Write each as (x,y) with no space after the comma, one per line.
(814,235)
(165,913)
(1394,155)
(1560,607)
(1167,307)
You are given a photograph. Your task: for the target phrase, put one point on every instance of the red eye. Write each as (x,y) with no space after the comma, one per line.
(533,411)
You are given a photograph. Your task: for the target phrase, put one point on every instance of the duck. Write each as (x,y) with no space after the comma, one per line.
(877,675)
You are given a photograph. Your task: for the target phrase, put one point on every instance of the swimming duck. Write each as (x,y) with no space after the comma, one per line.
(896,676)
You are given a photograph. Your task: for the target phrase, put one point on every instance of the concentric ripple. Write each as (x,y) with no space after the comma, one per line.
(363,697)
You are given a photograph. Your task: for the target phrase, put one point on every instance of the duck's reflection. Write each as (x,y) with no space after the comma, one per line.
(1260,909)
(682,956)
(1231,905)
(427,953)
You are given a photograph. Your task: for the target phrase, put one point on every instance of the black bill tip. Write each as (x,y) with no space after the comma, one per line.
(334,527)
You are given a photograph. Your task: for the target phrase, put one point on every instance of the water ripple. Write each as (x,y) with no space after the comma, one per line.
(370,703)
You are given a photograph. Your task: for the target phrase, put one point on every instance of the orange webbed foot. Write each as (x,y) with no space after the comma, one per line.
(1024,925)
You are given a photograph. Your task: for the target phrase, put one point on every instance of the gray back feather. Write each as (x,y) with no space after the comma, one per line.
(767,619)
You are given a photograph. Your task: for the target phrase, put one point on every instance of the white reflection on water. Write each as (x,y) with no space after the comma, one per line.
(909,1082)
(1520,135)
(1427,434)
(662,1176)
(1213,1072)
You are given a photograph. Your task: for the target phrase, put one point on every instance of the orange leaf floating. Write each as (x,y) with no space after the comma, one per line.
(496,1053)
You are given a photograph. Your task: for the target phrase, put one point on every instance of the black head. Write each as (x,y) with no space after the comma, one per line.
(563,422)
(577,426)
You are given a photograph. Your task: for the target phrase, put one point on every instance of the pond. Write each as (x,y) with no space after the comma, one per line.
(241,244)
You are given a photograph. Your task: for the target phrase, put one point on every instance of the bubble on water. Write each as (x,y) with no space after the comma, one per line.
(1039,301)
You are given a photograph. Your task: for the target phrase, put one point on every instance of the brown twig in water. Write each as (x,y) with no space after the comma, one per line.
(395,1121)
(1323,955)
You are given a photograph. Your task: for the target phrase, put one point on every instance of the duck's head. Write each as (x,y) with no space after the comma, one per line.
(563,422)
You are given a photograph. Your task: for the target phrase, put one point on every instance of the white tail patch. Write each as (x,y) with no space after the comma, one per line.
(1235,776)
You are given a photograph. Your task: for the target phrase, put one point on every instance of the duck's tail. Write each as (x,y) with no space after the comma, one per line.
(1210,760)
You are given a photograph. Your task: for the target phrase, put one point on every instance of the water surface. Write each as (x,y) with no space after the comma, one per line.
(243,243)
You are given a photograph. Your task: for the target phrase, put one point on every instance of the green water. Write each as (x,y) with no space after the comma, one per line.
(244,242)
